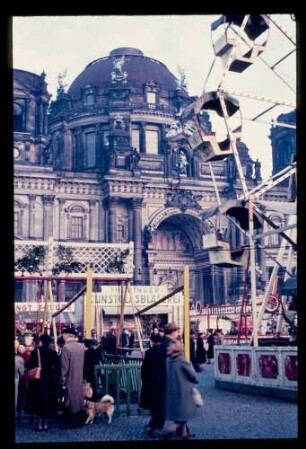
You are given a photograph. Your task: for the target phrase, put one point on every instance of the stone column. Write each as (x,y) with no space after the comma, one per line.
(60,232)
(111,204)
(41,117)
(78,159)
(32,199)
(137,227)
(48,203)
(45,127)
(130,224)
(67,153)
(92,220)
(142,137)
(61,291)
(99,145)
(214,288)
(163,140)
(101,223)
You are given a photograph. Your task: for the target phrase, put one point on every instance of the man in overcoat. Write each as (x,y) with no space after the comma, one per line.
(72,364)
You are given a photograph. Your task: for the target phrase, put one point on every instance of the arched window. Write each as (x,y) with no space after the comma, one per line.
(18,118)
(16,222)
(151,98)
(152,140)
(90,149)
(18,213)
(136,137)
(90,99)
(76,228)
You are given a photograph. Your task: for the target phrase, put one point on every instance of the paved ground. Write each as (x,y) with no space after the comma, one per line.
(225,415)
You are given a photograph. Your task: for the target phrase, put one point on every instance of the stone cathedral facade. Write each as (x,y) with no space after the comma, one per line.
(95,165)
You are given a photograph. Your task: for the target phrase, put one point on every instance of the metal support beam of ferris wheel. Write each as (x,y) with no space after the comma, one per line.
(281,252)
(253,272)
(233,144)
(286,276)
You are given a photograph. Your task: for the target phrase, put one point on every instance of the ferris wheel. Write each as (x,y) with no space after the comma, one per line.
(240,42)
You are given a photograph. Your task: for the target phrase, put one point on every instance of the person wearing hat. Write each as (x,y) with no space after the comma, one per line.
(155,375)
(42,393)
(72,364)
(180,404)
(91,359)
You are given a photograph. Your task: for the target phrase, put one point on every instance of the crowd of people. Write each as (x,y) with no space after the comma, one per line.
(65,366)
(62,372)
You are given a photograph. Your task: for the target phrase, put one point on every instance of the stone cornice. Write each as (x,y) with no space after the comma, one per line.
(55,185)
(34,183)
(52,183)
(125,187)
(139,114)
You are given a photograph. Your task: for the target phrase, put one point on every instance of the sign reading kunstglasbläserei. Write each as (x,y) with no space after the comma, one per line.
(144,295)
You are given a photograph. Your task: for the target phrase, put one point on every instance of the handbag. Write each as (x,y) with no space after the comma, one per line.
(35,373)
(197,398)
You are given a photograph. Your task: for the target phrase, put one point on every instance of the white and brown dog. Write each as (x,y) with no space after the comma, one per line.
(105,405)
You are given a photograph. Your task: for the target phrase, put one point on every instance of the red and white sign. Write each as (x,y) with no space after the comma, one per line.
(25,307)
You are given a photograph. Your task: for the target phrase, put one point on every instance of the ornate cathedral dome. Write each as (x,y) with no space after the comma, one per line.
(139,69)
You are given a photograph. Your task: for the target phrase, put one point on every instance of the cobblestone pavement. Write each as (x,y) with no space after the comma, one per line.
(225,415)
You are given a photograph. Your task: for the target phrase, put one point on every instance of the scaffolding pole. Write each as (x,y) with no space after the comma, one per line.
(186,313)
(120,325)
(52,317)
(88,304)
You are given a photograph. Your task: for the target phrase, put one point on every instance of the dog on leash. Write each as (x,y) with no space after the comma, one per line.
(105,405)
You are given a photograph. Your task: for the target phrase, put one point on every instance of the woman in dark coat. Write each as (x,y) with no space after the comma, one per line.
(181,378)
(91,359)
(42,393)
(211,344)
(200,351)
(153,384)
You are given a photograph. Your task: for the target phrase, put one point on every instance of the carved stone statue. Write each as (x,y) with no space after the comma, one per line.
(61,83)
(181,82)
(257,170)
(112,157)
(174,130)
(149,231)
(118,122)
(118,75)
(182,163)
(249,170)
(48,154)
(134,159)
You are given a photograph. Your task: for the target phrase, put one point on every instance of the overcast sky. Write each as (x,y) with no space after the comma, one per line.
(58,43)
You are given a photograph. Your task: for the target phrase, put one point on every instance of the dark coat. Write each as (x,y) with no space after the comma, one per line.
(181,377)
(91,359)
(42,394)
(72,363)
(200,351)
(148,378)
(211,344)
(110,344)
(153,372)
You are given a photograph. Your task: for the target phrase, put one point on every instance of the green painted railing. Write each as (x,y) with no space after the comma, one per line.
(123,382)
